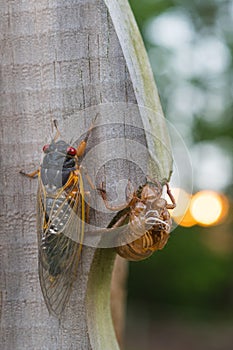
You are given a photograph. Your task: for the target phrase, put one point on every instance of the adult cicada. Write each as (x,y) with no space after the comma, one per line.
(61,215)
(148,218)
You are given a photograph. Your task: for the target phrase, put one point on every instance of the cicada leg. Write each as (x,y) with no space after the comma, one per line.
(103,193)
(87,206)
(80,152)
(32,175)
(130,192)
(173,205)
(87,177)
(120,221)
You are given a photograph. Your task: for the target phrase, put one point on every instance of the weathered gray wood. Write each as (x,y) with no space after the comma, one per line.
(159,147)
(58,57)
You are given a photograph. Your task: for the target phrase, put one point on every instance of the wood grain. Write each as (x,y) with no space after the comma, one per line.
(59,58)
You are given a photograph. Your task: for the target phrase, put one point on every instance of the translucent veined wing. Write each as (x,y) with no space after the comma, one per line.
(59,254)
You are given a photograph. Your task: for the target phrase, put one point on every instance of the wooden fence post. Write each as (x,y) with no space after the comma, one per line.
(60,58)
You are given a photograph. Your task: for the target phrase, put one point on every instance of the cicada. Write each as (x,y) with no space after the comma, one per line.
(61,215)
(148,218)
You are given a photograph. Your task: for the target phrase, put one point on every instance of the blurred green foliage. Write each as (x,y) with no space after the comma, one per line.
(188,277)
(208,114)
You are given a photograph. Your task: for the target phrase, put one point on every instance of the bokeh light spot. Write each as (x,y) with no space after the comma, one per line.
(207,208)
(181,214)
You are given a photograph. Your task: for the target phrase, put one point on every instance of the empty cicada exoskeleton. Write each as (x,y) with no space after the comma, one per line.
(149,221)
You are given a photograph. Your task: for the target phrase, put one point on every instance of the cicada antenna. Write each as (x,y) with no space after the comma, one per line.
(55,123)
(82,145)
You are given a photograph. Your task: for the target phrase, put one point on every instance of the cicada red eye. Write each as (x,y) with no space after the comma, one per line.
(46,148)
(71,151)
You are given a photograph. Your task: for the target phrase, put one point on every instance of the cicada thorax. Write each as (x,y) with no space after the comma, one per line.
(60,195)
(56,167)
(150,221)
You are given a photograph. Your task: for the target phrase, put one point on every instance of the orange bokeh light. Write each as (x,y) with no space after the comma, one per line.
(181,214)
(208,208)
(186,220)
(205,208)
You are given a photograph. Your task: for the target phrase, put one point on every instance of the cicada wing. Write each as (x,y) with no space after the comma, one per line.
(58,261)
(41,222)
(57,288)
